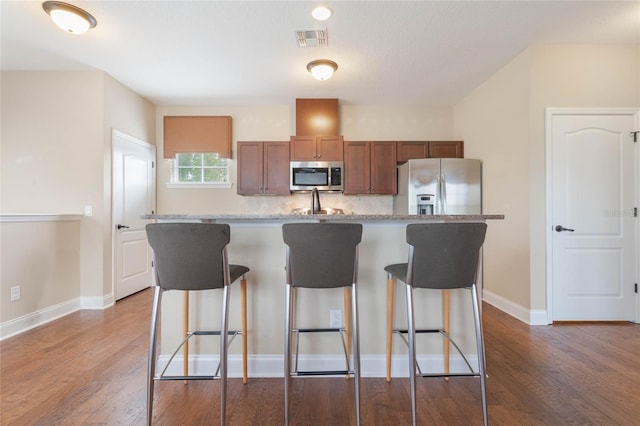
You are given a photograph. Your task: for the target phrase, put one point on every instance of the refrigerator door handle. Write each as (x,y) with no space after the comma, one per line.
(443,194)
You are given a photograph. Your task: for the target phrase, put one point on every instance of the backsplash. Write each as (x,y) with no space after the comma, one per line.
(368,204)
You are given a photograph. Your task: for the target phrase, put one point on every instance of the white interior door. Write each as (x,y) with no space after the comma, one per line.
(133,196)
(594,258)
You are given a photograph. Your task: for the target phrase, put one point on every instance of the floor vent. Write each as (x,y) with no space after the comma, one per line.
(312,38)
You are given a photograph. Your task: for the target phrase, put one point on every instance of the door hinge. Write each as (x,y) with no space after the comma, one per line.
(635,287)
(635,212)
(634,135)
(153,164)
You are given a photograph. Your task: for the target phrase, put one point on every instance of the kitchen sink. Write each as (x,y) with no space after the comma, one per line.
(307,210)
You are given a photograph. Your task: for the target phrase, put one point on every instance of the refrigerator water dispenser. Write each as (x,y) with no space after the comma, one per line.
(426,204)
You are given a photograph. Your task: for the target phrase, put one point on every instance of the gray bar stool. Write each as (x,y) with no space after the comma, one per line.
(193,256)
(321,255)
(442,256)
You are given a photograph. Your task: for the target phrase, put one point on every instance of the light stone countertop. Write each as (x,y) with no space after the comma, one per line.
(325,217)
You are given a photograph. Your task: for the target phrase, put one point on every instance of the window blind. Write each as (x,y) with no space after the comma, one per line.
(197,134)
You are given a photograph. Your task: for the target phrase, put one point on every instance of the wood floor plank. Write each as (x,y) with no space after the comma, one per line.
(90,368)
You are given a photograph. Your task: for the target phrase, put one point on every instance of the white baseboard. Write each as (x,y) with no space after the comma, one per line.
(531,317)
(43,316)
(34,319)
(270,366)
(100,302)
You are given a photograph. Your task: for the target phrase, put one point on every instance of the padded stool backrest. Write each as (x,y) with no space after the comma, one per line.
(444,255)
(189,256)
(321,255)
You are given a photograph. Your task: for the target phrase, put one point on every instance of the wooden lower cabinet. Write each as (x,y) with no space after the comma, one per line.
(263,168)
(370,168)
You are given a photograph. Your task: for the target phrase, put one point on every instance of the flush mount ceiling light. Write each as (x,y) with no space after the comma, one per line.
(69,18)
(321,13)
(322,69)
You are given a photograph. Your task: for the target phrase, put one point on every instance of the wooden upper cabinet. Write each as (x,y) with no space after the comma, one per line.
(316,148)
(384,178)
(263,168)
(446,149)
(357,168)
(317,117)
(370,168)
(408,150)
(250,168)
(276,168)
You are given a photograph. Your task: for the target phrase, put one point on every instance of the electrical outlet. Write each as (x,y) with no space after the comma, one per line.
(88,210)
(15,293)
(335,318)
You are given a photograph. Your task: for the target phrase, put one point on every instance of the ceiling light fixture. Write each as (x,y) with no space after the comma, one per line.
(322,69)
(321,13)
(69,18)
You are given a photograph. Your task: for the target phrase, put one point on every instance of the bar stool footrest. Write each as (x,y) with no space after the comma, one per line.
(448,375)
(318,330)
(161,378)
(322,373)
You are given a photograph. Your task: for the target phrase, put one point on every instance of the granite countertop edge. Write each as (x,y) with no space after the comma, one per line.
(323,217)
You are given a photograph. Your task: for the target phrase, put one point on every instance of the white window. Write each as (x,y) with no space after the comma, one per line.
(197,169)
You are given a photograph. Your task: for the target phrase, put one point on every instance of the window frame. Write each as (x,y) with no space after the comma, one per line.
(175,173)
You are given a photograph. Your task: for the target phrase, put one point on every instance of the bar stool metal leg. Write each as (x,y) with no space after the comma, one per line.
(347,323)
(356,349)
(480,346)
(287,351)
(153,347)
(223,354)
(411,325)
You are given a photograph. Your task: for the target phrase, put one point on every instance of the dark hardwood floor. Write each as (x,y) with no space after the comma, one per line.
(89,368)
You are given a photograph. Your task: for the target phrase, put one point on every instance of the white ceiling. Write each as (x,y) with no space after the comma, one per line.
(241,52)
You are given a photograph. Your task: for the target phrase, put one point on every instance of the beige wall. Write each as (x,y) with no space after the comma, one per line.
(502,121)
(43,258)
(56,155)
(51,141)
(493,122)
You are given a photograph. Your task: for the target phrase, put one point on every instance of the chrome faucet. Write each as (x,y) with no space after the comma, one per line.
(315,201)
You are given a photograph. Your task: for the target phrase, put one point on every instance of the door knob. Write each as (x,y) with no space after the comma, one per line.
(562,228)
(118,226)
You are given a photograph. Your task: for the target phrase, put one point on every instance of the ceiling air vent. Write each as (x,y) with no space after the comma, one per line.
(312,38)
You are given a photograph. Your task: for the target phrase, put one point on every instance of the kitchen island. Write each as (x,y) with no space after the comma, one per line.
(256,241)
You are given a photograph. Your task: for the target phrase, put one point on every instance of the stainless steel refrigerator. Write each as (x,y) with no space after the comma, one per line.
(435,186)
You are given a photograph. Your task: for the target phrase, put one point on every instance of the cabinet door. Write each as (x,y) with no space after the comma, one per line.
(383,168)
(276,168)
(356,168)
(250,168)
(329,148)
(446,149)
(303,148)
(408,150)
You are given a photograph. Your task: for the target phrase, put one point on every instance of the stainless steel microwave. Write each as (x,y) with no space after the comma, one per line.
(324,175)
